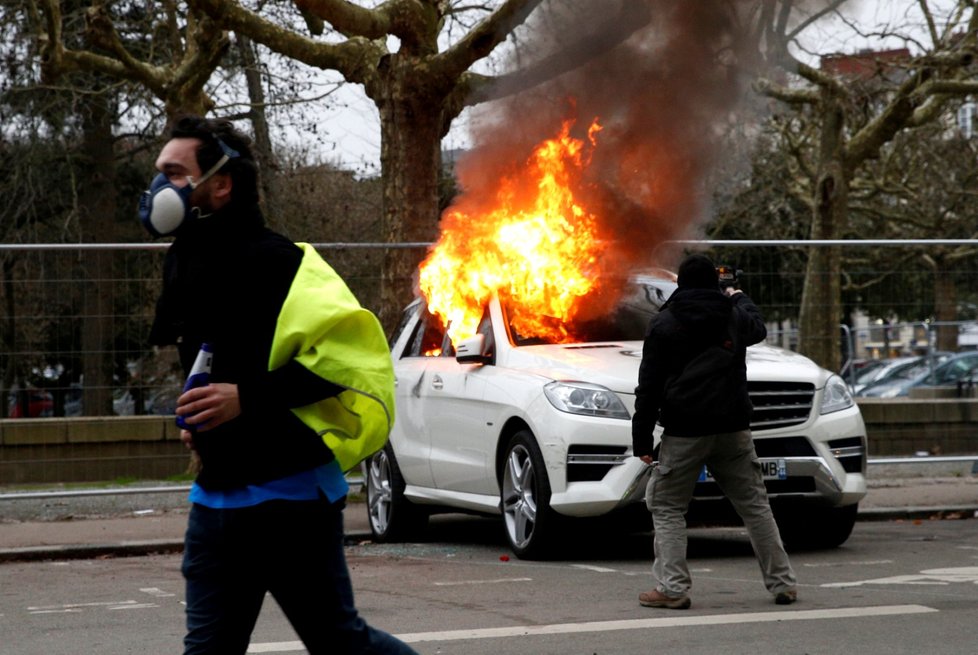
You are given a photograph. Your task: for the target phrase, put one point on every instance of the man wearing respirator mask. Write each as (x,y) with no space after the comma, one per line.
(300,389)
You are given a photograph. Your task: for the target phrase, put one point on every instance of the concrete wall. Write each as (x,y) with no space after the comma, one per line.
(148,447)
(90,449)
(939,426)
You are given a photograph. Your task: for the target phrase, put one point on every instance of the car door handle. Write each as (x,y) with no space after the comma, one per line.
(436,382)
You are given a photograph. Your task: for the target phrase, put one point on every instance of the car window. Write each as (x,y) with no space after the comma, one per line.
(640,301)
(403,323)
(870,372)
(957,369)
(428,338)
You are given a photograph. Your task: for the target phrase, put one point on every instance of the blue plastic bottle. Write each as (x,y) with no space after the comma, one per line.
(200,375)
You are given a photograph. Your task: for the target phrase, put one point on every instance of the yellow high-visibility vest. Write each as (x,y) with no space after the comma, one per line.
(324,328)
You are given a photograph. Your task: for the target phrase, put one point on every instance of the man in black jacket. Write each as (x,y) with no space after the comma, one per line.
(296,361)
(693,381)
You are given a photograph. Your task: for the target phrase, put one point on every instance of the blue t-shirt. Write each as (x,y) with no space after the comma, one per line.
(307,485)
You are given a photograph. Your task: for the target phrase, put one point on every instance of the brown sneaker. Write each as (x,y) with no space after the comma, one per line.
(786,597)
(656,598)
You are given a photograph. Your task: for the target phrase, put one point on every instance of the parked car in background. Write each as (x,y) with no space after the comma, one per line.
(960,369)
(122,401)
(541,432)
(30,403)
(897,369)
(854,368)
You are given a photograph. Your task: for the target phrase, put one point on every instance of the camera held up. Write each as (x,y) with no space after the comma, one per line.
(729,276)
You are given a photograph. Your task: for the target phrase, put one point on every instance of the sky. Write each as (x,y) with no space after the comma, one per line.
(352,130)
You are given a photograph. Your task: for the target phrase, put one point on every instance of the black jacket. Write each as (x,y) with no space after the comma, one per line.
(691,321)
(225,279)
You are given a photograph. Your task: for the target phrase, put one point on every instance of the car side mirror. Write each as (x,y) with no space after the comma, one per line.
(472,351)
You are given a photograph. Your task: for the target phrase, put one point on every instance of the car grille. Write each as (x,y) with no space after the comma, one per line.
(783,447)
(780,404)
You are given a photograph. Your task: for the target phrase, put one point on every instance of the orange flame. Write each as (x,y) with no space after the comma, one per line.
(535,245)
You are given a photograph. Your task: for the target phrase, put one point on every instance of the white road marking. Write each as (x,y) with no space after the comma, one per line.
(156,591)
(596,569)
(496,581)
(684,621)
(64,611)
(70,608)
(278,647)
(80,605)
(869,562)
(631,624)
(940,577)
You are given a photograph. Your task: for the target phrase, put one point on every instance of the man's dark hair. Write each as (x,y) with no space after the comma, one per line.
(220,137)
(698,272)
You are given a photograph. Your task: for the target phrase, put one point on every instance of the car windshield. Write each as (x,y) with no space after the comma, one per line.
(639,301)
(957,368)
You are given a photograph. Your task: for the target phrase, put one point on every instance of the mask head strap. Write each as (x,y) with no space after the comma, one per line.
(229,154)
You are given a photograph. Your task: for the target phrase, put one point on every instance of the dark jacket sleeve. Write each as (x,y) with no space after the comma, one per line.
(750,324)
(292,385)
(648,395)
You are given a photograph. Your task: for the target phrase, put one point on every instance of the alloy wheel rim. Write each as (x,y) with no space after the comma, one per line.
(379,493)
(519,501)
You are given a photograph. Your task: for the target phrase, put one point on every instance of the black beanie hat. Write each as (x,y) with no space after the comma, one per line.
(698,272)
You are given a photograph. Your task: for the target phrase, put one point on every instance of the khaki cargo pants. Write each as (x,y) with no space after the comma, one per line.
(734,465)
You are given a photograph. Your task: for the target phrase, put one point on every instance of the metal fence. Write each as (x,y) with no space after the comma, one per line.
(76,317)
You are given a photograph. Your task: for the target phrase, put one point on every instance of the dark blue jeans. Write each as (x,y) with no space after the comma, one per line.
(291,549)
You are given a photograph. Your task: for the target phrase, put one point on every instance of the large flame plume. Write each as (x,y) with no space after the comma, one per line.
(533,242)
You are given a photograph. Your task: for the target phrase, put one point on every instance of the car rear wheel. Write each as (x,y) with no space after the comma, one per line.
(525,498)
(807,528)
(392,516)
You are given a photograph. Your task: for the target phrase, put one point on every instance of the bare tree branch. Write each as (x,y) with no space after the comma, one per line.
(786,95)
(478,88)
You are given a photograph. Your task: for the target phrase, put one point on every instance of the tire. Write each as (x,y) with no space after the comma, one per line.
(529,522)
(814,528)
(392,517)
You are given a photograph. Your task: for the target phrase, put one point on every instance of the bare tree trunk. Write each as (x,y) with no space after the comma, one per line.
(412,159)
(945,306)
(97,208)
(259,122)
(8,344)
(821,312)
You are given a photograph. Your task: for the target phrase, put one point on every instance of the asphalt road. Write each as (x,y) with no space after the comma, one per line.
(894,587)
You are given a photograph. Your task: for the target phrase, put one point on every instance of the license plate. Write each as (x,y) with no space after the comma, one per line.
(771,469)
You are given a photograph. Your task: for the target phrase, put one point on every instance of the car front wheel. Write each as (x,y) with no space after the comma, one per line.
(392,516)
(525,498)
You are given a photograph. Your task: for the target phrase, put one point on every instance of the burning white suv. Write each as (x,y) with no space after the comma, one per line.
(539,431)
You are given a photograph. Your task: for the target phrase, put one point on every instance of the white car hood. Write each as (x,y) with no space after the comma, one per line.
(615,364)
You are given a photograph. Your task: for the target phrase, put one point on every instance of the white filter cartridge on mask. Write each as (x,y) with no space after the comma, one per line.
(165,207)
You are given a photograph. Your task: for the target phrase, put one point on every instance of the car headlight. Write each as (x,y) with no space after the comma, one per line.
(585,398)
(836,396)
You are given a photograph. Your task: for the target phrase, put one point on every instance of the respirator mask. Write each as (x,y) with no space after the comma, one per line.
(165,207)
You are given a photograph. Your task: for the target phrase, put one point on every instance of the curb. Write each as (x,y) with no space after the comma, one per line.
(112,550)
(91,551)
